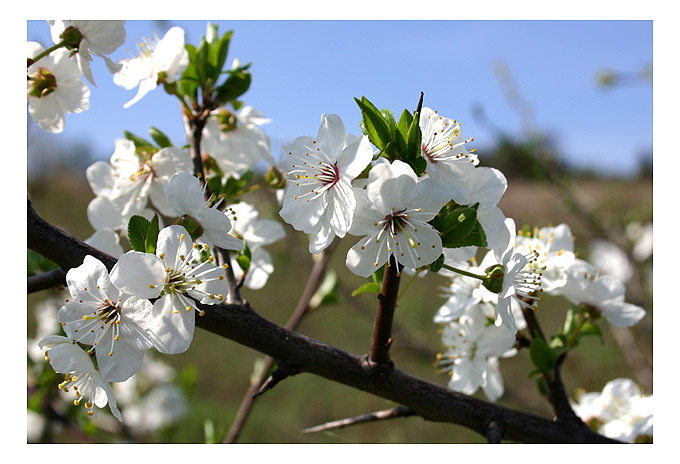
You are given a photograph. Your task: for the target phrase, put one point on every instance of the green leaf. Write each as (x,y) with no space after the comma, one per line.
(437,264)
(220,50)
(151,237)
(454,226)
(389,119)
(203,68)
(419,165)
(37,264)
(541,355)
(138,141)
(371,287)
(236,85)
(374,124)
(137,229)
(414,140)
(159,137)
(476,237)
(377,276)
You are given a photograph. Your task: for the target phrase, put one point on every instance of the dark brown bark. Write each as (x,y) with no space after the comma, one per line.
(240,323)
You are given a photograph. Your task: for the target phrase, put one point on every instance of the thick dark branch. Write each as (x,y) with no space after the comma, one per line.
(46,280)
(238,322)
(399,411)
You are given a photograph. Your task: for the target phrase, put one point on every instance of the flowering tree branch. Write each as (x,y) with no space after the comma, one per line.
(240,323)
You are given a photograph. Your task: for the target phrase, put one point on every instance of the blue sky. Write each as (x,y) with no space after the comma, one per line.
(302,69)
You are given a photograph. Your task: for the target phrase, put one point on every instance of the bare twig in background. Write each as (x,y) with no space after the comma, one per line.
(399,411)
(313,282)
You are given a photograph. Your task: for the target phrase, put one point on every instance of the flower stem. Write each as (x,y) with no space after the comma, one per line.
(387,302)
(465,273)
(413,278)
(45,53)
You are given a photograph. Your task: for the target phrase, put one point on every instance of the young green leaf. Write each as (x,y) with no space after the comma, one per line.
(137,229)
(236,85)
(151,237)
(541,355)
(414,140)
(138,141)
(372,287)
(159,137)
(374,123)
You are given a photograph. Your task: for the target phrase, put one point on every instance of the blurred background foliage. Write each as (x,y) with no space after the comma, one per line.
(214,374)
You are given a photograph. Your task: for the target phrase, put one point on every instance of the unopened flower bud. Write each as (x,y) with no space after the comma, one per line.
(494,278)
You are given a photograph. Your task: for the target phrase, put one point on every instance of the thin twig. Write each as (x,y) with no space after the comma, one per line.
(313,281)
(399,411)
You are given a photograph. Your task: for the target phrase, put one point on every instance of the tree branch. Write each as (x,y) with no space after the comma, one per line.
(238,322)
(46,280)
(387,303)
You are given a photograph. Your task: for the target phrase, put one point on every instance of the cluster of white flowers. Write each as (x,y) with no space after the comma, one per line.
(621,411)
(54,79)
(335,184)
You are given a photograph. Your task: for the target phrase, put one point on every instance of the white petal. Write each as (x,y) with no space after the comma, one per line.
(88,281)
(172,332)
(139,274)
(125,361)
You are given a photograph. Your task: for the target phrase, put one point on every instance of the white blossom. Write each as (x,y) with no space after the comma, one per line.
(176,277)
(54,88)
(100,38)
(392,214)
(238,143)
(319,199)
(158,60)
(605,292)
(66,357)
(471,351)
(113,323)
(186,198)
